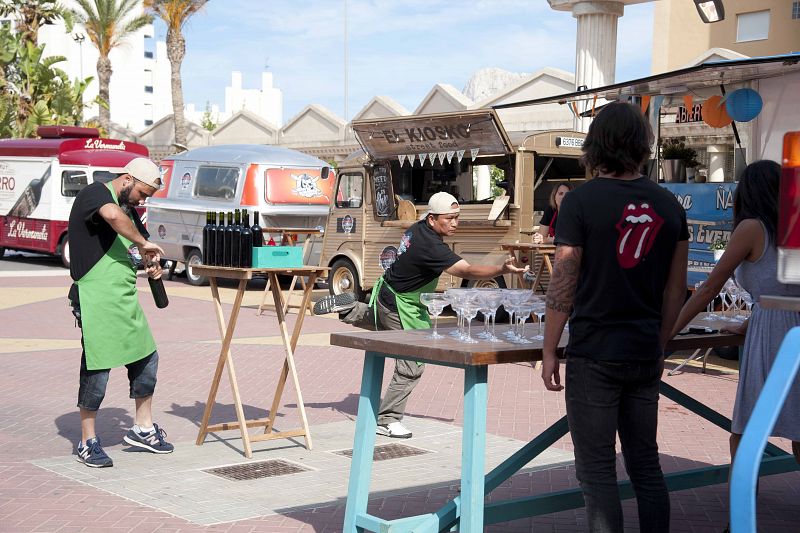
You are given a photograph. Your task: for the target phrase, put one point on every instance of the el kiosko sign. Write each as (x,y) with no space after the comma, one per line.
(433,137)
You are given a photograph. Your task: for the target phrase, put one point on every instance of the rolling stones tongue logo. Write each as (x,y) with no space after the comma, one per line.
(637,228)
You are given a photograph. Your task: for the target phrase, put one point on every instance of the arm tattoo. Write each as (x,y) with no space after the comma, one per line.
(564,281)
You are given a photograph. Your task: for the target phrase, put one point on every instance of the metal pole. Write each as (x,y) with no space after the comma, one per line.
(346,59)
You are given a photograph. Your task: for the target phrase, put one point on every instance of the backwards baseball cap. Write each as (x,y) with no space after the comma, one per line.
(441,203)
(143,170)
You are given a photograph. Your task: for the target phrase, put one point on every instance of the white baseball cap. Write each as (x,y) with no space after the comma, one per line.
(143,170)
(441,203)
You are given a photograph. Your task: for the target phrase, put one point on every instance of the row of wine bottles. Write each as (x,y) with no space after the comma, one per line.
(231,244)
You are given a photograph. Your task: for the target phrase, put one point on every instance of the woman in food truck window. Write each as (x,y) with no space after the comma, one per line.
(547,226)
(752,256)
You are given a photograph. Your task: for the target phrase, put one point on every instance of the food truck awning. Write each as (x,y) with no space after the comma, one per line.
(432,134)
(683,81)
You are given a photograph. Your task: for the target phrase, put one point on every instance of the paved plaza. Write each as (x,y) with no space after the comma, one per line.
(44,489)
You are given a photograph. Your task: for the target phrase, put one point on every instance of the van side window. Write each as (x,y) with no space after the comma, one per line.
(351,191)
(103,176)
(216,182)
(72,181)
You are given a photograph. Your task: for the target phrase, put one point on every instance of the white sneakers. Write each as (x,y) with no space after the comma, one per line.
(396,430)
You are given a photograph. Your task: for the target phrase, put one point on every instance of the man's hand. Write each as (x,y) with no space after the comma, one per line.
(153,269)
(151,253)
(538,238)
(550,372)
(510,267)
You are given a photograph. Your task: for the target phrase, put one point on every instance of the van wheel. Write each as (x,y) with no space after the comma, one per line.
(344,278)
(496,283)
(2,252)
(195,258)
(63,251)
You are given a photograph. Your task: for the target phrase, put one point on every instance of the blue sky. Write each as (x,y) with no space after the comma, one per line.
(397,48)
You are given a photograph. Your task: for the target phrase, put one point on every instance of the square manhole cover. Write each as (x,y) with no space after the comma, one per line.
(384,452)
(257,470)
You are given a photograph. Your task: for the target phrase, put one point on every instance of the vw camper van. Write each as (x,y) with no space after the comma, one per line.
(289,189)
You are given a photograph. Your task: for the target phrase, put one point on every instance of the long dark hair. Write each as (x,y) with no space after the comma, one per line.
(756,195)
(618,140)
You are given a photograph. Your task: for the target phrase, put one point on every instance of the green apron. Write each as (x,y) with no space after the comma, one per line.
(115,331)
(413,314)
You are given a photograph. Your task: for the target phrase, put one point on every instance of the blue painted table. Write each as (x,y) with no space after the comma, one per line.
(468,512)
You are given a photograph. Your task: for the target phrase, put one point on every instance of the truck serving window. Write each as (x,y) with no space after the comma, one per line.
(216,182)
(72,181)
(350,191)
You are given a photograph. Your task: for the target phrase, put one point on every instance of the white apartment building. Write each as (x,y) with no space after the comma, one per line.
(140,85)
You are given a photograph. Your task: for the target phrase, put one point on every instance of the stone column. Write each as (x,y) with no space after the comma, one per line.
(716,162)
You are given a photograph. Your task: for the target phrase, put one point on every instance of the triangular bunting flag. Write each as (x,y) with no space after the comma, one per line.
(688,102)
(645,103)
(442,156)
(460,155)
(430,157)
(412,158)
(474,153)
(422,159)
(450,155)
(402,159)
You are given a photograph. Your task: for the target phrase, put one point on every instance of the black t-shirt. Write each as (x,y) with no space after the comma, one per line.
(90,236)
(547,216)
(628,231)
(421,257)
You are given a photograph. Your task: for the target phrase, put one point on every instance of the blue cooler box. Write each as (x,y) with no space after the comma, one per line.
(278,257)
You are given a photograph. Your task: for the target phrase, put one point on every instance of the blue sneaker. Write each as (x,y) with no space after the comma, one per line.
(152,442)
(91,454)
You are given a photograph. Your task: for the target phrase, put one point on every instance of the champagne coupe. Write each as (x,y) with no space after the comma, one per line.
(539,311)
(457,297)
(435,302)
(513,298)
(729,292)
(470,311)
(710,314)
(524,311)
(490,300)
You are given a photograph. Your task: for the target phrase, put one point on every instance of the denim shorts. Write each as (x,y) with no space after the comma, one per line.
(141,376)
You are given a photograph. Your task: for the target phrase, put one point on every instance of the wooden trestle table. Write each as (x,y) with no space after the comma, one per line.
(226,330)
(542,253)
(468,512)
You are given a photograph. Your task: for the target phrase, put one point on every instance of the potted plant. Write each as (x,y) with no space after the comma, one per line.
(676,157)
(718,247)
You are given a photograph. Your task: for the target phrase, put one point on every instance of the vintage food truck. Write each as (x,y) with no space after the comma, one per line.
(384,189)
(289,189)
(39,179)
(691,104)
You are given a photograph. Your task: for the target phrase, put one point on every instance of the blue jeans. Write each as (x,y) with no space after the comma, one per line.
(141,377)
(604,398)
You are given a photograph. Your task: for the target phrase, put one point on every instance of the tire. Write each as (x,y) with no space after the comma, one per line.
(2,251)
(193,259)
(63,251)
(344,278)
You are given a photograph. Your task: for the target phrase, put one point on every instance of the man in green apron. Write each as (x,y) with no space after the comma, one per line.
(108,242)
(421,258)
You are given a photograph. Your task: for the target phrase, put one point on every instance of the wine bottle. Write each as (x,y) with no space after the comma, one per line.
(258,235)
(219,245)
(159,292)
(29,198)
(226,260)
(247,241)
(206,237)
(211,252)
(236,240)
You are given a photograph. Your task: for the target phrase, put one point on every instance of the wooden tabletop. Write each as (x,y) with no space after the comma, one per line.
(541,247)
(301,231)
(248,273)
(416,344)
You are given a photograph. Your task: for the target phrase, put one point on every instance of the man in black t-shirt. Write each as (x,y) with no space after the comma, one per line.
(620,278)
(422,257)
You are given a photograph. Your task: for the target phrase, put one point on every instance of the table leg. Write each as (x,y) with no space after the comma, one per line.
(289,344)
(261,306)
(226,332)
(364,440)
(473,445)
(539,272)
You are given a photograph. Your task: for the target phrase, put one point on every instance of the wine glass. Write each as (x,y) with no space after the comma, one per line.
(457,297)
(729,294)
(435,302)
(710,314)
(470,311)
(511,300)
(490,300)
(539,310)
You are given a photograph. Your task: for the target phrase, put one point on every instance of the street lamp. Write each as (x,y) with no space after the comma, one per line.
(710,11)
(79,38)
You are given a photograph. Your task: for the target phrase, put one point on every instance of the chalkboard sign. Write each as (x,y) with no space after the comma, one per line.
(383,203)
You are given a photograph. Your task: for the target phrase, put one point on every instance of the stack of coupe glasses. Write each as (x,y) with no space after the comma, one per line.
(520,304)
(736,303)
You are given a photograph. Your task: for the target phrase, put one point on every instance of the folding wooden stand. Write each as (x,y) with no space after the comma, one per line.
(226,359)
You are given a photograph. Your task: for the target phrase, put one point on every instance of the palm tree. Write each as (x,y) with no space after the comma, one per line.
(33,14)
(175,13)
(108,23)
